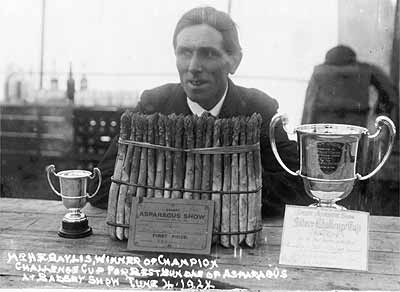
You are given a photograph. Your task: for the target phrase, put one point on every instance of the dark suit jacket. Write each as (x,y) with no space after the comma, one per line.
(340,93)
(278,186)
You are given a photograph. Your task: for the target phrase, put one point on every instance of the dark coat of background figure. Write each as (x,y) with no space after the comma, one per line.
(279,188)
(344,90)
(339,91)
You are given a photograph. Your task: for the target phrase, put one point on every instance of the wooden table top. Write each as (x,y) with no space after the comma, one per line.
(34,256)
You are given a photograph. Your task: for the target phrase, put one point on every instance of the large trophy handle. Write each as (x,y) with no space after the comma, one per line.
(51,169)
(379,122)
(275,119)
(95,170)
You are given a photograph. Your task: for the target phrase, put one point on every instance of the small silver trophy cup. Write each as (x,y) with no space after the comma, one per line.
(328,156)
(73,184)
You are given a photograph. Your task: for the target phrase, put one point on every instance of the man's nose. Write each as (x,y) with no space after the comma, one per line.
(195,64)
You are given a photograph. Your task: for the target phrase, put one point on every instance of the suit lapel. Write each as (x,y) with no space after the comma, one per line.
(177,102)
(233,103)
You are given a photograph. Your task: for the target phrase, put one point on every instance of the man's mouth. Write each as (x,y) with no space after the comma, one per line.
(196,82)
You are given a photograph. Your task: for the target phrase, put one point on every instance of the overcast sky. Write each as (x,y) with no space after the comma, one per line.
(281,40)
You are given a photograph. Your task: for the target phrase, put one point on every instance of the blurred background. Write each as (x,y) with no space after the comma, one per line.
(68,68)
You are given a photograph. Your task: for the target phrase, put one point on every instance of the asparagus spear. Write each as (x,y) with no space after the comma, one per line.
(252,200)
(123,188)
(226,198)
(197,157)
(152,121)
(189,175)
(258,172)
(142,179)
(243,204)
(137,122)
(177,169)
(206,173)
(160,158)
(114,188)
(169,140)
(156,134)
(217,180)
(235,184)
(130,148)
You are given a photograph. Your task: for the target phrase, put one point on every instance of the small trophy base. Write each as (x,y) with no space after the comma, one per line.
(75,228)
(322,205)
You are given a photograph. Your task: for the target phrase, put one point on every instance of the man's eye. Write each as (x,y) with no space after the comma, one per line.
(184,52)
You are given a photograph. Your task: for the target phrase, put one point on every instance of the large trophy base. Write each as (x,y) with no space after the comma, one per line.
(322,205)
(73,227)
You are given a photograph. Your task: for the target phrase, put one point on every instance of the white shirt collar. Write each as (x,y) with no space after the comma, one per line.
(198,110)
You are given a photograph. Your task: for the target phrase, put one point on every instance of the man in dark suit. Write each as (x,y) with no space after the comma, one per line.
(207,50)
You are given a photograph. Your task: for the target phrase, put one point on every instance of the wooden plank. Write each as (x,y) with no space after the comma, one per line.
(18,152)
(297,278)
(63,127)
(20,143)
(377,223)
(20,135)
(62,134)
(36,109)
(33,228)
(42,206)
(49,122)
(57,143)
(24,176)
(379,241)
(13,109)
(55,110)
(261,257)
(19,125)
(60,145)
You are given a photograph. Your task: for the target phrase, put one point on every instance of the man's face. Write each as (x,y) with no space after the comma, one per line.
(203,64)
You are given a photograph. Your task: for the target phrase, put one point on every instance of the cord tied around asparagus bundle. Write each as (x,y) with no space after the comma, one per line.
(190,157)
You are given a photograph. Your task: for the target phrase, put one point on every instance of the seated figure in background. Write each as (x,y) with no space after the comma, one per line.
(344,90)
(207,50)
(339,91)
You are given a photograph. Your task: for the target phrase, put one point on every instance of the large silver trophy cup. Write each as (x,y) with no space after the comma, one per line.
(73,184)
(328,156)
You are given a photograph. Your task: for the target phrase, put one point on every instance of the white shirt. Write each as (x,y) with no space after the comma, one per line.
(198,110)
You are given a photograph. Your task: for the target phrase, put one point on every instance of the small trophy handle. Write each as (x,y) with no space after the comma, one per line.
(379,122)
(95,170)
(275,119)
(51,169)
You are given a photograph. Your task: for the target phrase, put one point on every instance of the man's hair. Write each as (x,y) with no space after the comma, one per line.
(340,55)
(219,20)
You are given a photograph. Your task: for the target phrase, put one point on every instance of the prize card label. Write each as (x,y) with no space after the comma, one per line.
(165,225)
(324,237)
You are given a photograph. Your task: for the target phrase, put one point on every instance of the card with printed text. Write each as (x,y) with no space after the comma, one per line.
(325,237)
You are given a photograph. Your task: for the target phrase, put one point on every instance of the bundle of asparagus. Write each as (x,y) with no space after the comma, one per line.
(190,157)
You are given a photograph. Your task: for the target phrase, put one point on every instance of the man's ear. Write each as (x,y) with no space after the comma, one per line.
(234,61)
